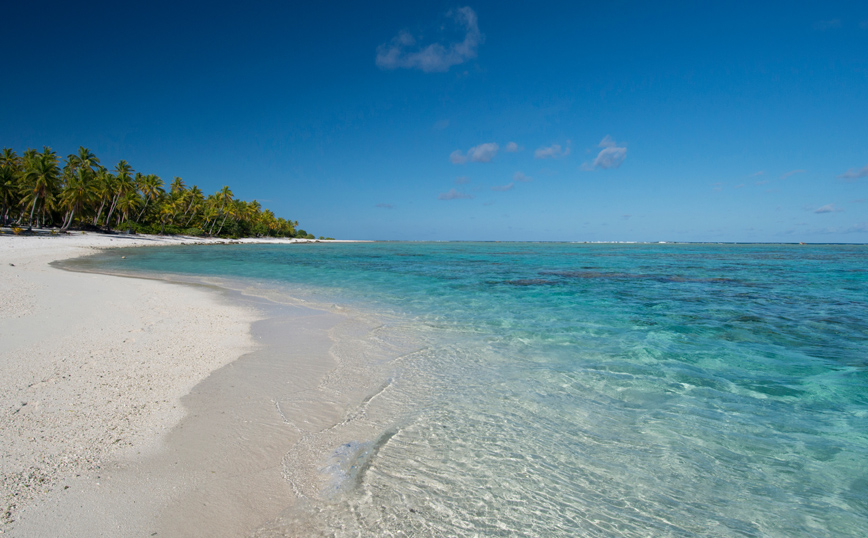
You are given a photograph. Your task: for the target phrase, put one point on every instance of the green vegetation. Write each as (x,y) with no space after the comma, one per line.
(38,190)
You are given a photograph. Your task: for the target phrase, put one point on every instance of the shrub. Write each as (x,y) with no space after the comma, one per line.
(128,225)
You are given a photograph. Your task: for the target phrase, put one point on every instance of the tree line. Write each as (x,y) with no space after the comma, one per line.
(40,191)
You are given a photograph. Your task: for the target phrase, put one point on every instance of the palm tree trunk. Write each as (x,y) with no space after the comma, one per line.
(191,219)
(112,210)
(99,213)
(221,224)
(143,209)
(66,223)
(32,209)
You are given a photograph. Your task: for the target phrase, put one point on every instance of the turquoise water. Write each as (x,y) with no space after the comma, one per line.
(587,389)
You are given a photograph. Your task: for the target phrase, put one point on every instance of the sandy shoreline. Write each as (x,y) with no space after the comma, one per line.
(95,369)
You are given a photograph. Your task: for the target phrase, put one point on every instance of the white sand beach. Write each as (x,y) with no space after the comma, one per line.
(95,367)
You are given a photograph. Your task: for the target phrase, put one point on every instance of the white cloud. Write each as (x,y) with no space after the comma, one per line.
(440,125)
(755,174)
(511,147)
(552,152)
(792,172)
(828,208)
(454,195)
(607,142)
(521,178)
(462,180)
(855,174)
(502,188)
(403,53)
(482,153)
(611,156)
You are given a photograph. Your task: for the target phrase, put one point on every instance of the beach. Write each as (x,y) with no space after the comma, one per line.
(95,367)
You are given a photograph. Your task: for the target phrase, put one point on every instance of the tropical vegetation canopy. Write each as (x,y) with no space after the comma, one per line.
(39,190)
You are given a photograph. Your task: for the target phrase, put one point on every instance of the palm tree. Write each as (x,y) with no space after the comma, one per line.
(123,170)
(195,197)
(10,171)
(191,196)
(40,179)
(284,227)
(77,194)
(25,162)
(151,188)
(8,191)
(244,212)
(123,186)
(9,159)
(269,220)
(104,189)
(128,203)
(224,195)
(254,213)
(168,210)
(84,159)
(209,214)
(237,209)
(177,187)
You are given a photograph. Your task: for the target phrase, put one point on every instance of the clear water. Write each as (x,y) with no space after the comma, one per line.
(586,390)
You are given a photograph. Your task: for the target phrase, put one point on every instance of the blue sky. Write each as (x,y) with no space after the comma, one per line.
(578,121)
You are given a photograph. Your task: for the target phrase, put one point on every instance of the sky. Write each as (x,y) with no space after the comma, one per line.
(555,121)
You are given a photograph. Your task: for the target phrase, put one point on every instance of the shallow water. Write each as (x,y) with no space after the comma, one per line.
(569,389)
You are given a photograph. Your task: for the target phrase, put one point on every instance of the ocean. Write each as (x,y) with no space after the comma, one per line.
(556,389)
